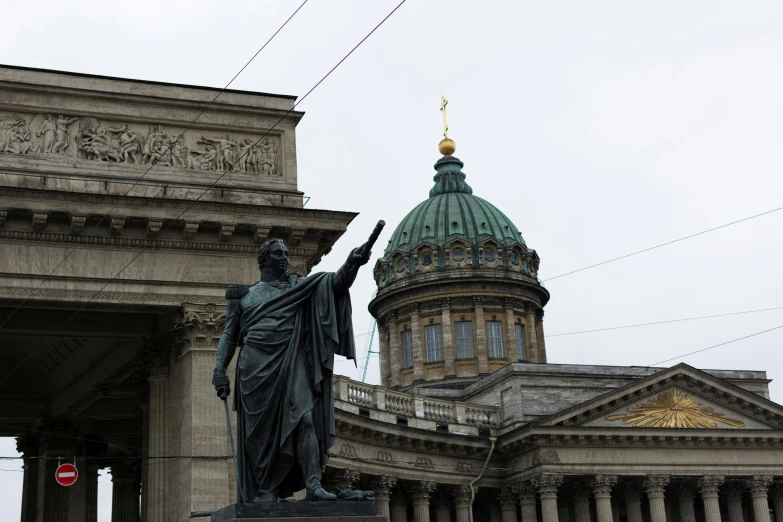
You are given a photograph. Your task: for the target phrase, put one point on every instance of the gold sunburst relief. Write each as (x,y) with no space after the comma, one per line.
(673,409)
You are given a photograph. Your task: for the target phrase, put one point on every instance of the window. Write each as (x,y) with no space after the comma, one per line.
(407,349)
(457,254)
(464,331)
(434,346)
(489,254)
(519,331)
(514,257)
(426,258)
(401,264)
(494,339)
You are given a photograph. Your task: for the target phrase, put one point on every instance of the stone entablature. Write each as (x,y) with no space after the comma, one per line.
(65,119)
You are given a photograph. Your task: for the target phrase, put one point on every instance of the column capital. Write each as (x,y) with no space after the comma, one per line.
(654,485)
(525,491)
(346,478)
(391,318)
(461,496)
(420,491)
(709,485)
(445,302)
(29,445)
(125,470)
(506,498)
(602,485)
(633,489)
(383,484)
(547,484)
(508,302)
(414,308)
(478,300)
(759,484)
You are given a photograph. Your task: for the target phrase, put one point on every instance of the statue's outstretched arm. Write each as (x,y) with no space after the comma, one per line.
(346,275)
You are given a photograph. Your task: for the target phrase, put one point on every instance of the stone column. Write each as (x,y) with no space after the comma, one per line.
(655,485)
(508,505)
(28,446)
(602,491)
(442,508)
(395,355)
(540,336)
(526,493)
(582,502)
(145,451)
(759,485)
(511,334)
(734,500)
(156,504)
(398,506)
(685,504)
(383,356)
(52,498)
(482,350)
(382,487)
(633,503)
(547,486)
(419,351)
(91,496)
(461,496)
(449,347)
(126,479)
(709,494)
(530,332)
(420,495)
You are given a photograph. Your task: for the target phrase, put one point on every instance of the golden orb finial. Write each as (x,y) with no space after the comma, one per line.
(446,145)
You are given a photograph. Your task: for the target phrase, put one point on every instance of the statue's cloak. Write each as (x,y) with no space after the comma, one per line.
(284,370)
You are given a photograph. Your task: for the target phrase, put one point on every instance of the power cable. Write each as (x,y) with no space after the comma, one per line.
(229,169)
(664,322)
(662,245)
(168,146)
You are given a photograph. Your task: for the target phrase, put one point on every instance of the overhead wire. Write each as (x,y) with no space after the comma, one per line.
(168,146)
(227,170)
(663,244)
(665,322)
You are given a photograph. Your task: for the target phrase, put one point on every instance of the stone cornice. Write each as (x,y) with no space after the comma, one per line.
(598,437)
(168,299)
(180,205)
(145,244)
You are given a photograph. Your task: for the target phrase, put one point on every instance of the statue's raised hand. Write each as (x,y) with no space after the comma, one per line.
(221,383)
(359,256)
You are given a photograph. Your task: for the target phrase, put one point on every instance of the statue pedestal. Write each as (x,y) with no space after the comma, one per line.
(326,511)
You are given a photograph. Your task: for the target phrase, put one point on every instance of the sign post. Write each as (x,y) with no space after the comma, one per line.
(66,474)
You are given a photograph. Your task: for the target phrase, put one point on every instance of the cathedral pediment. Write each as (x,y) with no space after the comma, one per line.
(680,397)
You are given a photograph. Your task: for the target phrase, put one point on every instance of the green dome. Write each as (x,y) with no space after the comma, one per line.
(452,212)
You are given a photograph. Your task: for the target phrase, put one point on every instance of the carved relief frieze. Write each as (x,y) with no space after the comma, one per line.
(88,138)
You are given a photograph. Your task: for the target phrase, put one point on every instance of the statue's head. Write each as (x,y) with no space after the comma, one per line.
(273,255)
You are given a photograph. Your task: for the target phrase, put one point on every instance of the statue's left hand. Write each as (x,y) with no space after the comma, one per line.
(221,383)
(359,257)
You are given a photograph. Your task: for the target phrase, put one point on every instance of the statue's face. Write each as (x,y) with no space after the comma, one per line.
(277,258)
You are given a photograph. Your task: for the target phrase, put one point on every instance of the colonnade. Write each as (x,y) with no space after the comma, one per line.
(598,498)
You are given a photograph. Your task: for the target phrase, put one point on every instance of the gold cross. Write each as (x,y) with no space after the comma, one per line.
(443,103)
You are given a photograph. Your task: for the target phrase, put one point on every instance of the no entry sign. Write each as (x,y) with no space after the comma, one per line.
(66,474)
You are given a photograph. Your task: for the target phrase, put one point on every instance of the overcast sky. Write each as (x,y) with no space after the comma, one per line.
(600,128)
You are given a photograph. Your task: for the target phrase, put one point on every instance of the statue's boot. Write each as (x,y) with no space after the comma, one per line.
(309,460)
(269,496)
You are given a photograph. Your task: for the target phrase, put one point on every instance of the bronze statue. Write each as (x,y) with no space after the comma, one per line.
(289,328)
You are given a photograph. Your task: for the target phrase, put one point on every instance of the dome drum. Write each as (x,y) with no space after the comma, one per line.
(458,292)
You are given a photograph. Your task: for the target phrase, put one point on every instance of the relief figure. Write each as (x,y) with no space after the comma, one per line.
(268,157)
(48,129)
(62,134)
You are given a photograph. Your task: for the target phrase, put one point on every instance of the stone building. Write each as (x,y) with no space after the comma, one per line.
(469,412)
(121,224)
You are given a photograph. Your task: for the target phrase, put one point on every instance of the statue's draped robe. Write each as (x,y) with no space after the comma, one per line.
(284,370)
